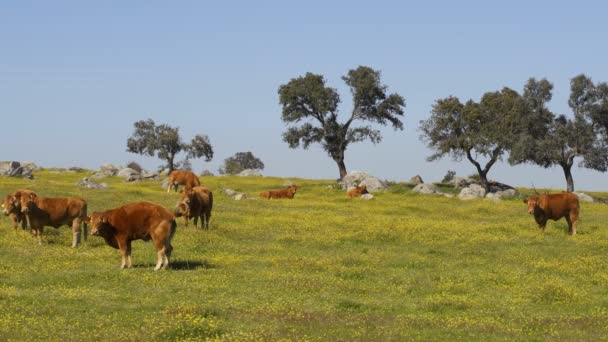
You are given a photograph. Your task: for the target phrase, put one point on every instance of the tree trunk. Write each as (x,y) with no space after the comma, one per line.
(568,174)
(342,168)
(170,161)
(483,178)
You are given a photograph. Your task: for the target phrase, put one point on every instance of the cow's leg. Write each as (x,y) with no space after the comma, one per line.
(129,262)
(170,185)
(122,247)
(15,221)
(569,223)
(196,215)
(75,232)
(38,234)
(207,219)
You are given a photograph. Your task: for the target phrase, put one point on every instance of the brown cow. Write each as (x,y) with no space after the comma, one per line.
(196,202)
(134,221)
(554,207)
(12,207)
(186,178)
(357,192)
(288,192)
(54,212)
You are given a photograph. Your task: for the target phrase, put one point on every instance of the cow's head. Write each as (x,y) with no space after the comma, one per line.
(294,188)
(97,222)
(532,203)
(363,189)
(187,197)
(27,202)
(10,205)
(180,210)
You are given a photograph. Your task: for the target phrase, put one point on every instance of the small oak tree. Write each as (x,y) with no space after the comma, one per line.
(309,102)
(165,141)
(239,162)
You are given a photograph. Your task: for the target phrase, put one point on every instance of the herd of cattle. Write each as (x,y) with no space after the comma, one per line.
(151,221)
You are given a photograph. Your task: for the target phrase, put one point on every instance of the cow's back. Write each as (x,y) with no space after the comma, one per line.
(139,218)
(62,210)
(559,205)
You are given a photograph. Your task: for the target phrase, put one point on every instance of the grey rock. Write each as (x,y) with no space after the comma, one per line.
(426,188)
(416,180)
(230,192)
(99,175)
(133,178)
(91,184)
(461,182)
(505,194)
(250,173)
(472,191)
(584,197)
(367,196)
(15,169)
(149,175)
(76,169)
(206,173)
(109,169)
(493,197)
(358,178)
(288,183)
(127,172)
(240,196)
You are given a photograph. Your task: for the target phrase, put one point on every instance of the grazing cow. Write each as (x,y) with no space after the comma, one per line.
(135,221)
(196,202)
(357,192)
(554,207)
(12,207)
(186,178)
(54,212)
(288,192)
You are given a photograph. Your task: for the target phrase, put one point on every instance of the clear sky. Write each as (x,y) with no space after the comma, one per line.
(75,75)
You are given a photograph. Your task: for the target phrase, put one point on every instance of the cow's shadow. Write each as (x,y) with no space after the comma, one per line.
(182,265)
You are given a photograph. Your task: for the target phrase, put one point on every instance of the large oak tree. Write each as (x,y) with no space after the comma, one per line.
(312,109)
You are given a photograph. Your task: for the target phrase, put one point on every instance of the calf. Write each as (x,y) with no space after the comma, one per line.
(12,207)
(554,207)
(289,192)
(196,202)
(54,212)
(357,192)
(136,221)
(186,178)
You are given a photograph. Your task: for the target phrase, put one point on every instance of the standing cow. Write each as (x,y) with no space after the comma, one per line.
(186,178)
(54,212)
(196,202)
(12,207)
(136,221)
(554,207)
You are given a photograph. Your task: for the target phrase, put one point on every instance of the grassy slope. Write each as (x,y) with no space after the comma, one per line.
(402,266)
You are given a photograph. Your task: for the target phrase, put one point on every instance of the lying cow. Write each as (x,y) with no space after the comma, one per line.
(196,202)
(54,212)
(289,192)
(135,221)
(12,207)
(554,207)
(357,192)
(186,178)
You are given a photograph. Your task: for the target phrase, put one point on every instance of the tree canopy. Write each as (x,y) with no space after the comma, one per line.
(165,141)
(241,161)
(311,108)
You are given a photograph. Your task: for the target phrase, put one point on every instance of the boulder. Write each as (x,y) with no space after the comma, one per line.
(15,169)
(367,196)
(250,173)
(91,184)
(493,196)
(109,169)
(206,173)
(471,192)
(358,178)
(240,196)
(584,197)
(461,182)
(426,188)
(127,172)
(505,194)
(229,192)
(416,180)
(149,175)
(76,169)
(133,178)
(30,166)
(99,175)
(288,183)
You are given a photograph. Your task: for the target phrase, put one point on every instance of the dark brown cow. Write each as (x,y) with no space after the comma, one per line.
(12,207)
(288,192)
(135,221)
(554,207)
(54,212)
(186,178)
(357,192)
(196,202)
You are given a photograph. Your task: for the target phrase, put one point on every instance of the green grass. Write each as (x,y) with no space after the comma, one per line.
(402,266)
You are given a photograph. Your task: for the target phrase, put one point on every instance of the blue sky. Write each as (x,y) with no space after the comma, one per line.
(75,75)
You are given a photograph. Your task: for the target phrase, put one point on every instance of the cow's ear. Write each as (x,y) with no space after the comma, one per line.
(32,196)
(103,219)
(87,219)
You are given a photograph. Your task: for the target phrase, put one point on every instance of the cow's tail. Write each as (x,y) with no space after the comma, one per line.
(168,246)
(85,228)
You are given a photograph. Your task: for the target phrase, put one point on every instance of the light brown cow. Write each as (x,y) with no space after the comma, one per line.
(554,207)
(54,212)
(136,221)
(186,178)
(196,202)
(12,207)
(288,192)
(357,192)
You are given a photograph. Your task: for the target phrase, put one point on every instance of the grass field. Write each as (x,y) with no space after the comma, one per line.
(402,266)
